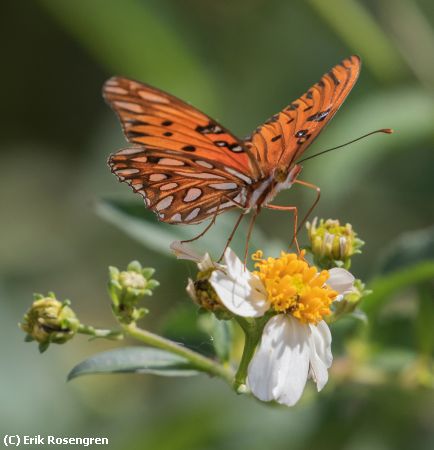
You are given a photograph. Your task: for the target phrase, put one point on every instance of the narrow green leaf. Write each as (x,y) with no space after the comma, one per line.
(220,331)
(122,36)
(425,316)
(135,360)
(383,287)
(221,334)
(141,224)
(356,26)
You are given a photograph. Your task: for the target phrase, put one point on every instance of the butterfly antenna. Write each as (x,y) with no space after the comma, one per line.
(383,130)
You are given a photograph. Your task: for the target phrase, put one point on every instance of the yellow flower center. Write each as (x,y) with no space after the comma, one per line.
(294,287)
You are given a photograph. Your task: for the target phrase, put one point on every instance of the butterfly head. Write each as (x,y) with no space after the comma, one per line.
(284,176)
(282,179)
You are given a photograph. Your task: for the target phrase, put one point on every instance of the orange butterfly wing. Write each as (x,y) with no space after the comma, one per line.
(185,165)
(286,135)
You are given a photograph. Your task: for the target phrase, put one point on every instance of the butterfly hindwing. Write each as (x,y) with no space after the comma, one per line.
(178,188)
(286,135)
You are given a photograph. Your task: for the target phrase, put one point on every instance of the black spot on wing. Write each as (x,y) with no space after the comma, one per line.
(333,77)
(210,128)
(319,116)
(135,134)
(189,148)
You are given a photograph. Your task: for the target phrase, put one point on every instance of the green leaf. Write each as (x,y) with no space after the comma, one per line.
(383,287)
(141,224)
(221,332)
(356,26)
(410,248)
(424,325)
(135,360)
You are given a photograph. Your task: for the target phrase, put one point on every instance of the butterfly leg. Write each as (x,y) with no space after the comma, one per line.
(206,229)
(249,233)
(296,228)
(318,196)
(240,218)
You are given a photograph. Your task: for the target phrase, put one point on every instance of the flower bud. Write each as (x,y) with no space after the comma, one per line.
(350,302)
(332,244)
(127,287)
(49,321)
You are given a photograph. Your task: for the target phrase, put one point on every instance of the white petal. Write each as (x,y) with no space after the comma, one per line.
(240,295)
(183,251)
(279,369)
(320,353)
(191,291)
(205,263)
(341,281)
(238,289)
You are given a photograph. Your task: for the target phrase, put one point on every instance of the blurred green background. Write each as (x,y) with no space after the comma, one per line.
(240,61)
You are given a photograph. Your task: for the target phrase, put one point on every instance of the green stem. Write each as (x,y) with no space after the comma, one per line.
(107,334)
(252,333)
(199,361)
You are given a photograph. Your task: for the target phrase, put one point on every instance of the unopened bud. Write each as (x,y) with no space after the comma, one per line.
(49,321)
(332,244)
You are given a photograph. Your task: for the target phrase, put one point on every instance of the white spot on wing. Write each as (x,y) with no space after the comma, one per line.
(165,203)
(146,95)
(204,175)
(134,107)
(224,186)
(146,199)
(130,151)
(168,186)
(112,89)
(193,214)
(170,162)
(221,207)
(192,194)
(176,218)
(157,177)
(141,159)
(205,164)
(239,175)
(124,172)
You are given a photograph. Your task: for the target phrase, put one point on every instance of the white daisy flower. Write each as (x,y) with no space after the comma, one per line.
(296,341)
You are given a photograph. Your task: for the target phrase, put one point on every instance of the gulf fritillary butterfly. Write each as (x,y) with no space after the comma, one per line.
(189,168)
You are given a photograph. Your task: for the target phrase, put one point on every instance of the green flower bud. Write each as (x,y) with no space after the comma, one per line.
(350,302)
(49,321)
(205,296)
(127,287)
(332,244)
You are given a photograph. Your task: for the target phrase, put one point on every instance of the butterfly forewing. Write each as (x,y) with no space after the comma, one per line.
(285,136)
(186,165)
(155,119)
